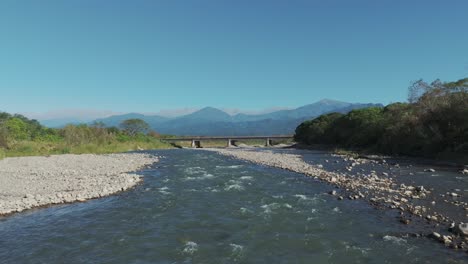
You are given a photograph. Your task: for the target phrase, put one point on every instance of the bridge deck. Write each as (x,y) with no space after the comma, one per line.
(190,138)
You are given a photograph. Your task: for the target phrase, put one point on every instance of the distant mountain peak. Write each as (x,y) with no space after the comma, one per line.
(330,101)
(208,113)
(210,109)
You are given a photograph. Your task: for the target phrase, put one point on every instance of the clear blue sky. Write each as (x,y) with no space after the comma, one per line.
(151,55)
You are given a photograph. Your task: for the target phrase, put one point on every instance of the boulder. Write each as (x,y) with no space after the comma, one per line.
(420,189)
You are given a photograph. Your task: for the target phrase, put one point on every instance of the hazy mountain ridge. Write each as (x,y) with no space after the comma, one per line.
(213,121)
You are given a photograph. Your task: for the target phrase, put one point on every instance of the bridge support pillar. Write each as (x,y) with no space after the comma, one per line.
(196,144)
(229,143)
(268,142)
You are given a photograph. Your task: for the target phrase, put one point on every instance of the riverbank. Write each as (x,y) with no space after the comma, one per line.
(460,162)
(415,203)
(28,182)
(43,148)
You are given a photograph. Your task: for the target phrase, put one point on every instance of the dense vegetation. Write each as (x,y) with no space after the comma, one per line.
(20,136)
(433,124)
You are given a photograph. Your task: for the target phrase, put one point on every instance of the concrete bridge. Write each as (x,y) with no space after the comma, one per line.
(230,140)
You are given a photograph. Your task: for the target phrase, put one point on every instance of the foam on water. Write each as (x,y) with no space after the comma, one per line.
(236,250)
(396,240)
(205,176)
(190,247)
(229,167)
(362,250)
(234,187)
(194,170)
(245,211)
(269,208)
(310,200)
(301,196)
(163,190)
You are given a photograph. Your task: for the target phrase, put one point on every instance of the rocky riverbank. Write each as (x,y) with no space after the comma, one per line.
(382,190)
(28,182)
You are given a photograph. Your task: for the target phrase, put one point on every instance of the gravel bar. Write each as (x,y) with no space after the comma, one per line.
(28,182)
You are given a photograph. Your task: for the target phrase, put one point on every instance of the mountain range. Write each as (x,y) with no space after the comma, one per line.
(214,122)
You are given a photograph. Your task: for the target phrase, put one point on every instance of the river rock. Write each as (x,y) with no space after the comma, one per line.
(420,189)
(461,229)
(435,235)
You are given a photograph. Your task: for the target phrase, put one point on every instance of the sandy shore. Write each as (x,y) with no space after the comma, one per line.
(380,190)
(28,182)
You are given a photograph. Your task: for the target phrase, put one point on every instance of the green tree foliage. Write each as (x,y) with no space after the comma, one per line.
(3,137)
(433,123)
(317,131)
(134,126)
(17,129)
(83,134)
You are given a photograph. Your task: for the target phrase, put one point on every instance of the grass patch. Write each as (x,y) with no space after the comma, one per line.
(34,148)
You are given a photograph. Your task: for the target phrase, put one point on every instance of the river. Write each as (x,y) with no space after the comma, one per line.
(201,207)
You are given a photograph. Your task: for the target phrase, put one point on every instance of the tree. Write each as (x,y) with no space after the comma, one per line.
(134,126)
(315,131)
(17,129)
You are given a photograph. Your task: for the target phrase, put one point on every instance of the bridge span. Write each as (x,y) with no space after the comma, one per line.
(230,140)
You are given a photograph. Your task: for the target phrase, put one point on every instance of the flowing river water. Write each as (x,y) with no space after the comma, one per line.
(201,207)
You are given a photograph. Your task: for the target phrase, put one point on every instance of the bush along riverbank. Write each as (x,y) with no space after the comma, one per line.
(20,136)
(434,124)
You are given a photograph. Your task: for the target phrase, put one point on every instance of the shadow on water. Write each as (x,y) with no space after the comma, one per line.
(200,207)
